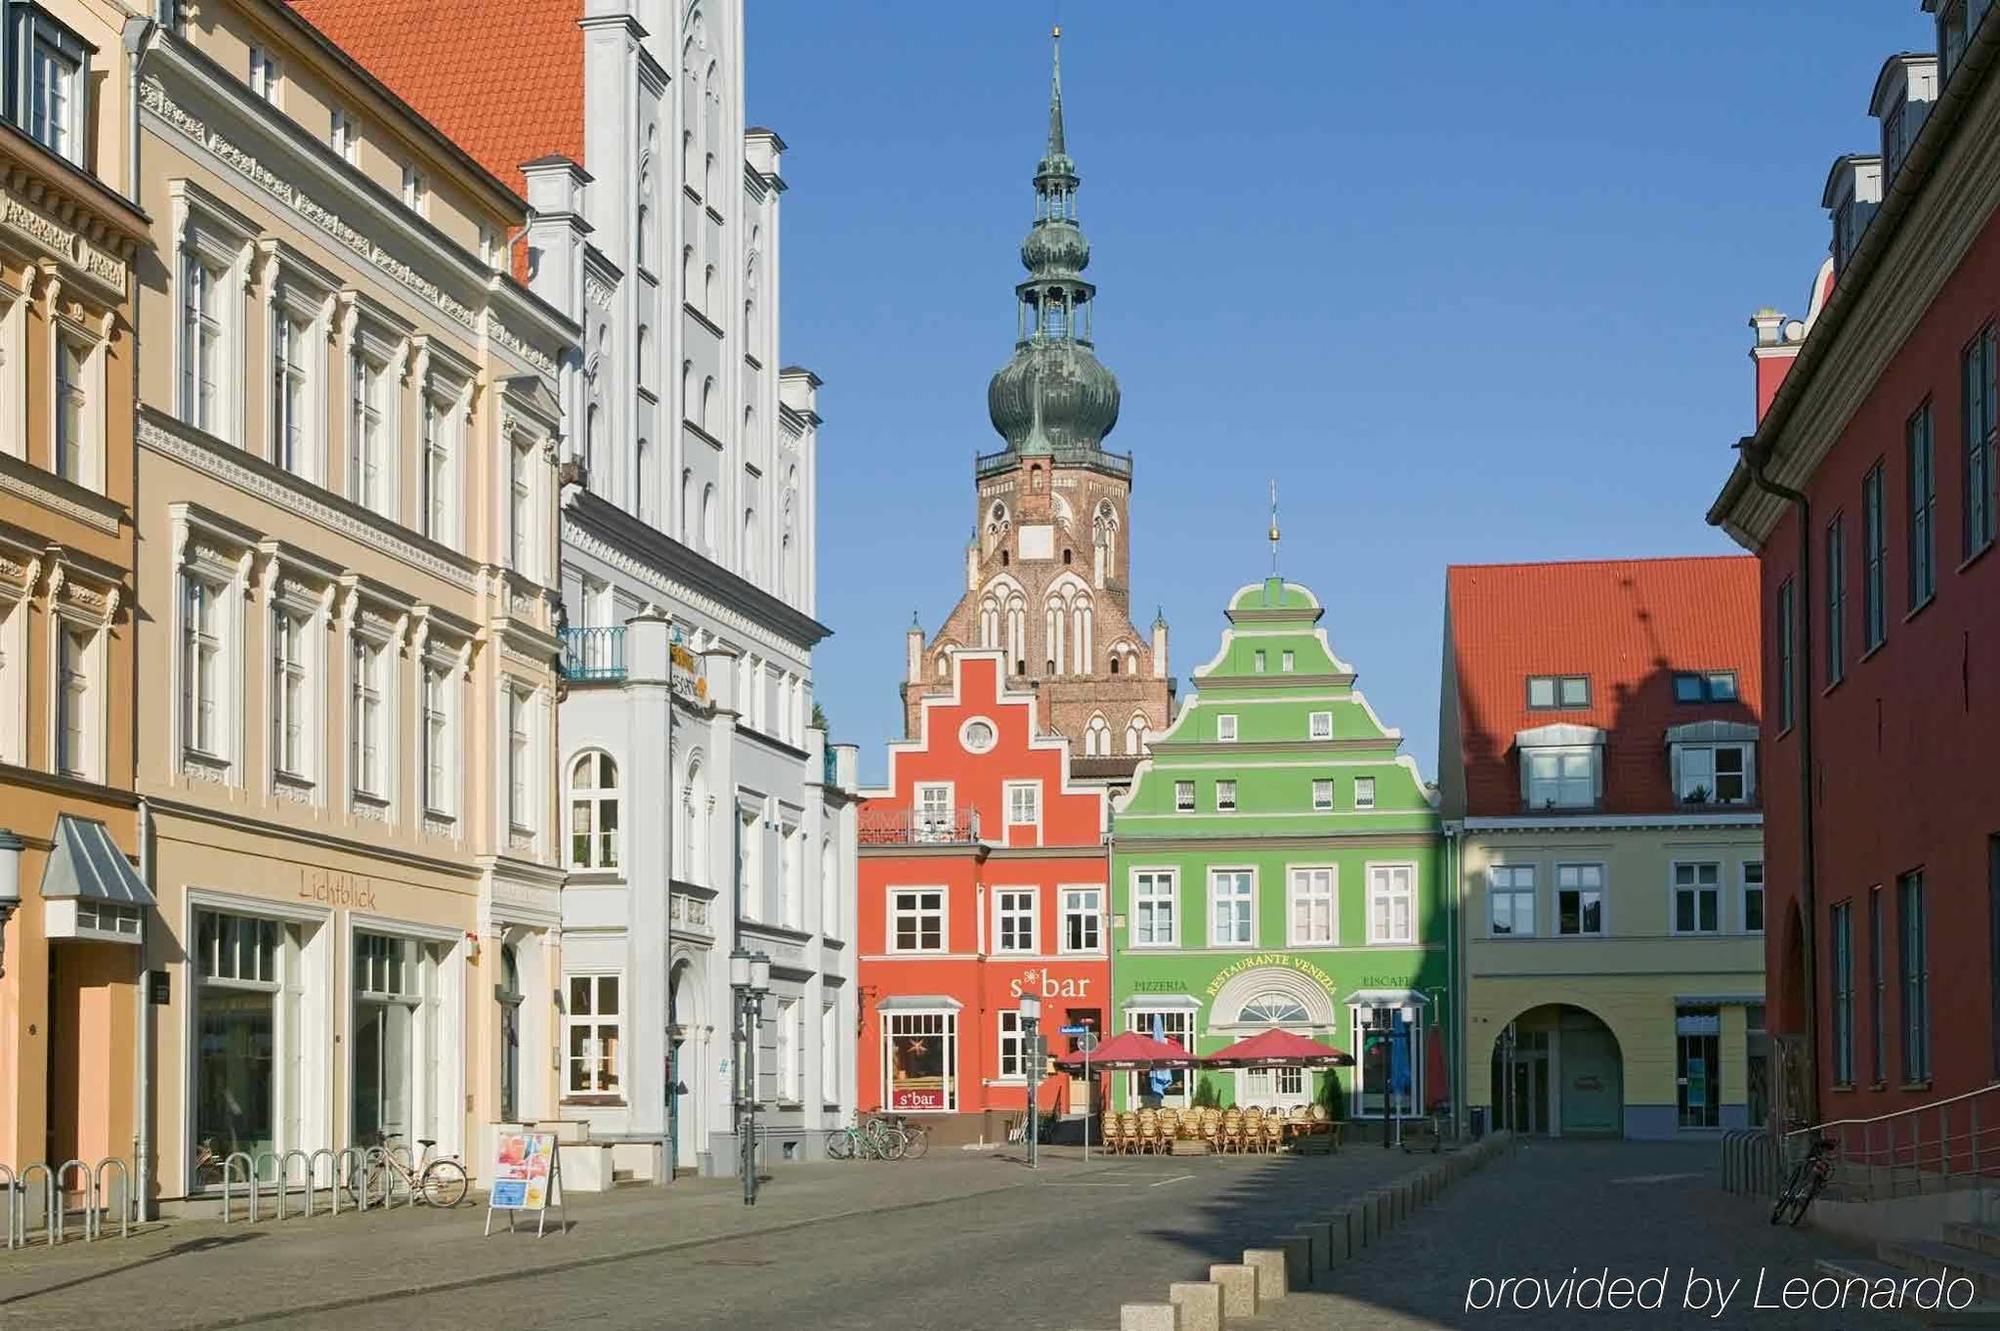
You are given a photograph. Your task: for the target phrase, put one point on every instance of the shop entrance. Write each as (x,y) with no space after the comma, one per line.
(1558,1071)
(388,998)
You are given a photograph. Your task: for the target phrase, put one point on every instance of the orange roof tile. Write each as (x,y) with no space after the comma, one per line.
(503,80)
(1629,624)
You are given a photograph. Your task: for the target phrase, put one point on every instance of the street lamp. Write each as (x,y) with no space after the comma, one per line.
(1031,1020)
(11,847)
(749,981)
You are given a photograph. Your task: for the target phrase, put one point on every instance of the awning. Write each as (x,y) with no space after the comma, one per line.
(86,864)
(918,1003)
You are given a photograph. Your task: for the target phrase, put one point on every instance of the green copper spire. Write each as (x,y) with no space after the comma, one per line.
(1054,396)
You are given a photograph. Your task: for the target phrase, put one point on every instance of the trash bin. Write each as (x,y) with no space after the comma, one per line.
(1478,1124)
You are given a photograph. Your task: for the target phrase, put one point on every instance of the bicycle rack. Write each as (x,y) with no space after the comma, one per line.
(285,1177)
(349,1164)
(312,1176)
(58,1211)
(127,1203)
(249,1177)
(10,1200)
(257,1178)
(21,1201)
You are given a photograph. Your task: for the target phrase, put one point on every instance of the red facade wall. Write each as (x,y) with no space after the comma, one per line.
(970,968)
(1904,774)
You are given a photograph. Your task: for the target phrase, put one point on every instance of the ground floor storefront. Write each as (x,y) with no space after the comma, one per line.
(945,1041)
(1631,1056)
(1386,1007)
(307,997)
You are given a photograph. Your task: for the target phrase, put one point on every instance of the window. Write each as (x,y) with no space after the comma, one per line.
(1015,908)
(1558,692)
(1176,1025)
(440,499)
(1258,663)
(1952,33)
(1782,631)
(1976,386)
(933,813)
(1562,778)
(1013,1061)
(1364,792)
(1392,903)
(291,697)
(1913,926)
(1320,725)
(591,1043)
(1719,773)
(1083,919)
(1311,908)
(1322,792)
(1286,660)
(1878,1026)
(264,74)
(1753,896)
(916,920)
(920,1061)
(246,985)
(201,667)
(57,82)
(74,732)
(1836,599)
(74,448)
(1697,898)
(202,289)
(1225,728)
(791,1039)
(1875,559)
(1841,938)
(593,812)
(1579,900)
(1225,796)
(343,134)
(373,469)
(1184,796)
(1155,903)
(1232,908)
(416,191)
(1705,686)
(1923,504)
(521,511)
(1024,803)
(1510,900)
(438,747)
(520,811)
(830,1043)
(291,402)
(370,720)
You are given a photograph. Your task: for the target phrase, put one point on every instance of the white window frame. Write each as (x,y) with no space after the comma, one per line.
(1695,766)
(830,1045)
(1379,874)
(1364,792)
(77,447)
(1322,794)
(1508,883)
(1008,915)
(266,76)
(221,253)
(294,689)
(76,696)
(518,722)
(440,707)
(13,372)
(1286,662)
(907,902)
(1301,888)
(791,1036)
(1602,889)
(1155,891)
(1184,797)
(1697,887)
(1242,883)
(13,678)
(219,642)
(1319,725)
(374,425)
(1744,887)
(1539,789)
(523,496)
(1012,1047)
(441,437)
(55,110)
(1010,793)
(371,705)
(343,135)
(1225,728)
(930,818)
(416,190)
(1074,909)
(597,797)
(594,1024)
(1225,796)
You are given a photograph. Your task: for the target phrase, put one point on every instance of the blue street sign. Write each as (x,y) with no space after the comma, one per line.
(1072,1030)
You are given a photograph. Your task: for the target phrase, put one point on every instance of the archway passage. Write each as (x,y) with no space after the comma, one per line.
(1558,1072)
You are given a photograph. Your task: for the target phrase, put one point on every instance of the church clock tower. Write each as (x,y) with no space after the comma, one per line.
(1047,569)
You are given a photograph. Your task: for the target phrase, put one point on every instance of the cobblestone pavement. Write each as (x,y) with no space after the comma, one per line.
(1639,1209)
(963,1243)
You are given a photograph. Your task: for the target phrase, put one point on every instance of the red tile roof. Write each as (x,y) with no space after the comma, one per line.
(1628,624)
(503,80)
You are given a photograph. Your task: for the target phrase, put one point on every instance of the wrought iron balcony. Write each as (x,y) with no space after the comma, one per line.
(1117,464)
(593,654)
(917,827)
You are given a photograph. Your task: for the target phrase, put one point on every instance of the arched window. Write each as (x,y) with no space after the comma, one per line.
(785,567)
(590,425)
(944,665)
(1097,739)
(1273,1008)
(645,356)
(1084,648)
(687,155)
(989,622)
(708,291)
(593,812)
(687,272)
(708,532)
(645,237)
(1017,632)
(749,424)
(1114,663)
(1135,734)
(708,175)
(687,390)
(1035,478)
(694,826)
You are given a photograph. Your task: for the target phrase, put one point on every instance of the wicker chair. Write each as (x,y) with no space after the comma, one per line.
(1274,1133)
(1149,1131)
(1170,1126)
(1231,1131)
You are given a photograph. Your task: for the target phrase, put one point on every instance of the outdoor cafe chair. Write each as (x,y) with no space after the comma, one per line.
(1274,1134)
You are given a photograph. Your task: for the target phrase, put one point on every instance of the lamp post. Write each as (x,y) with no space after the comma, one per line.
(749,981)
(1031,1021)
(11,847)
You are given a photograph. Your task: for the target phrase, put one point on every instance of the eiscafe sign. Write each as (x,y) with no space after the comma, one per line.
(326,888)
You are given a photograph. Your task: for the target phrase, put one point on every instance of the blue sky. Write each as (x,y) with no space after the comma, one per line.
(1469,281)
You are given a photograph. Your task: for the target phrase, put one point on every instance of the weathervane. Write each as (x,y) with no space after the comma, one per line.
(1274,529)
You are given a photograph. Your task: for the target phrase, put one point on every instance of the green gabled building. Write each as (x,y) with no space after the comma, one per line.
(1278,863)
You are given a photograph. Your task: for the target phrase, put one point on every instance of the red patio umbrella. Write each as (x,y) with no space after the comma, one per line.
(1130,1051)
(1274,1049)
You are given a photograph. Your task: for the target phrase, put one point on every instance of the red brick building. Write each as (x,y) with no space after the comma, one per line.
(982,878)
(1868,494)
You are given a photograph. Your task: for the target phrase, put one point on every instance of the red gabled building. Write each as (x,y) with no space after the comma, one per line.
(1868,494)
(982,879)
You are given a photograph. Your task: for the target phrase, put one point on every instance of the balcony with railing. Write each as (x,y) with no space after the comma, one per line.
(593,655)
(986,465)
(917,827)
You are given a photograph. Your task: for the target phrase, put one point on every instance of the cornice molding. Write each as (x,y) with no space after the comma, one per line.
(1251,841)
(52,492)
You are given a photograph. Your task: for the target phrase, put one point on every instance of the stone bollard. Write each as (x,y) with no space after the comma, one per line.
(1299,1265)
(1149,1317)
(1321,1234)
(1270,1264)
(1345,1238)
(1200,1302)
(1239,1289)
(1365,1233)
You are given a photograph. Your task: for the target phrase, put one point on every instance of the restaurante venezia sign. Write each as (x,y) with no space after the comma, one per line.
(1262,959)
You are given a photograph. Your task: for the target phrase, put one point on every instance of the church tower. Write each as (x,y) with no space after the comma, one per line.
(1047,569)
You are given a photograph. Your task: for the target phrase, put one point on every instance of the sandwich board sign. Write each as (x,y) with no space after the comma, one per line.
(527,1176)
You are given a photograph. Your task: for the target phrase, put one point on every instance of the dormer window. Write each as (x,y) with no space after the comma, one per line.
(1853,192)
(1714,762)
(1893,143)
(1705,686)
(1562,767)
(1558,692)
(49,83)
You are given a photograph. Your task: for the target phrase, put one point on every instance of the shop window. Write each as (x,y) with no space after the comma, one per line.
(920,1061)
(1162,1086)
(247,1045)
(1698,1037)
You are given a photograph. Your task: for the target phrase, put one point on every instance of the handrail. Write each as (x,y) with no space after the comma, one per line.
(1924,1108)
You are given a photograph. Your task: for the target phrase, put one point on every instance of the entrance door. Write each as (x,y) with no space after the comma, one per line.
(1592,1097)
(381,1072)
(1697,1032)
(1274,1088)
(509,997)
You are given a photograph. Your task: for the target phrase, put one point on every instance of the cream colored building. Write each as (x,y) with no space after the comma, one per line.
(348,435)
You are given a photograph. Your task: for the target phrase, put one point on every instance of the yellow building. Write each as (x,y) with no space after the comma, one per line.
(72,908)
(1598,773)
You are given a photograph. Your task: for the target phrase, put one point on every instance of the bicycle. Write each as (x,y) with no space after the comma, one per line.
(439,1181)
(918,1135)
(869,1140)
(1805,1181)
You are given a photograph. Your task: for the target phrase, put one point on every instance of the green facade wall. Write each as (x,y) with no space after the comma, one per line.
(1276,670)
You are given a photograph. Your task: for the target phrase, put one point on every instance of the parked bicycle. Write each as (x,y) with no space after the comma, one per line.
(438,1181)
(1804,1183)
(869,1139)
(918,1134)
